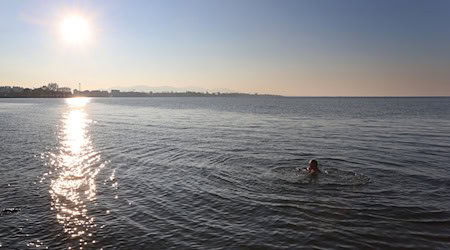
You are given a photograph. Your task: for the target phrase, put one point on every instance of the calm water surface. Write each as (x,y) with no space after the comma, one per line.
(220,173)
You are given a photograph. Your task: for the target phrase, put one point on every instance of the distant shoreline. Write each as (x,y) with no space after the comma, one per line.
(130,95)
(230,95)
(52,90)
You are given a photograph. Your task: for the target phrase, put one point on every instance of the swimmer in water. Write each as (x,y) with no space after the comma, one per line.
(313,168)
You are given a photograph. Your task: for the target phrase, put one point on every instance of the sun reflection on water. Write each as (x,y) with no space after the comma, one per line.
(77,101)
(76,164)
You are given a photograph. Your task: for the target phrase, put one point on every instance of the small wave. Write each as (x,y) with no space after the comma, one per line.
(328,177)
(9,210)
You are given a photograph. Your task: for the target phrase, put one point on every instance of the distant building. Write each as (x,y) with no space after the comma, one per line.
(64,90)
(98,93)
(115,92)
(53,86)
(5,89)
(16,89)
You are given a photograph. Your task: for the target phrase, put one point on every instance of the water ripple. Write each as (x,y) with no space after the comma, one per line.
(222,173)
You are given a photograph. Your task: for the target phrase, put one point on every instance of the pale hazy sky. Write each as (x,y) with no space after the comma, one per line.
(302,48)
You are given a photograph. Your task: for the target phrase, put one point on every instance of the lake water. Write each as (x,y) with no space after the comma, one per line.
(220,173)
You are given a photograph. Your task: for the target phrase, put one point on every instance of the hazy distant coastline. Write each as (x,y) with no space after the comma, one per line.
(54,91)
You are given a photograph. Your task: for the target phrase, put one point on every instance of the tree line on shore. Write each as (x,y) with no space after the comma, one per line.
(42,92)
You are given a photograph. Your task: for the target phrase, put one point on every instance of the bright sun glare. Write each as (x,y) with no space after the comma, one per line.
(75,29)
(77,102)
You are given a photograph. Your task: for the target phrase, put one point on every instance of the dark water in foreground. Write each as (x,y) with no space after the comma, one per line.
(213,173)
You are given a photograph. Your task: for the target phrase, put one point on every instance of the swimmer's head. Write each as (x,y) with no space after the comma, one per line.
(313,163)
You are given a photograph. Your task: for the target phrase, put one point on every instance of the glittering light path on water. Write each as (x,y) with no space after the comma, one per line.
(76,165)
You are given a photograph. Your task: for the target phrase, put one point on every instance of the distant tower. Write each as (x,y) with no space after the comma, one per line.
(79,87)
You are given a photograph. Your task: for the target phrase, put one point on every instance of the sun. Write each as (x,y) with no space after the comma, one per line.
(75,30)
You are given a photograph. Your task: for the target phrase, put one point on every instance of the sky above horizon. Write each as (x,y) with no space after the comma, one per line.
(295,48)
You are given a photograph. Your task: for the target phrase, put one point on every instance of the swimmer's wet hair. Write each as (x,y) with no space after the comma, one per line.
(313,161)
